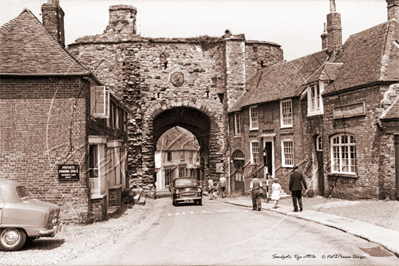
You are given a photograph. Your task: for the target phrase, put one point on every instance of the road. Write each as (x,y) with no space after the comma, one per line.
(219,233)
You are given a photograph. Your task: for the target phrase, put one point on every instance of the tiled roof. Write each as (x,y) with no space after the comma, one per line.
(368,56)
(327,72)
(282,80)
(26,47)
(177,139)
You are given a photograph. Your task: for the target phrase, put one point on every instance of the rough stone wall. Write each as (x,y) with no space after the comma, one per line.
(43,125)
(387,169)
(367,134)
(138,71)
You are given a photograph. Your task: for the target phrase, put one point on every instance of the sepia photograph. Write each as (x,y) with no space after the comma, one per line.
(199,132)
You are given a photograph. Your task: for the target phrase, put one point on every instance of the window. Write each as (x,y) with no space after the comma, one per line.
(343,154)
(254,152)
(93,161)
(319,144)
(237,124)
(288,153)
(315,101)
(182,155)
(168,176)
(286,113)
(99,102)
(253,118)
(182,171)
(169,156)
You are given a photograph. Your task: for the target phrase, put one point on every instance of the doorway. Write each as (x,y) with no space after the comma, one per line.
(320,164)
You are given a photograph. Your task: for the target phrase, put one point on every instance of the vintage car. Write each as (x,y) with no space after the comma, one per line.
(23,219)
(186,190)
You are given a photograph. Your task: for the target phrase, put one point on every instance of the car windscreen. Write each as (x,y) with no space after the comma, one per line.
(185,183)
(22,192)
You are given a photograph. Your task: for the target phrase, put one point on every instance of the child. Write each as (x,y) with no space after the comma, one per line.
(276,192)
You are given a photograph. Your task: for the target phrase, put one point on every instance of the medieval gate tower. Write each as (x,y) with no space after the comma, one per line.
(167,82)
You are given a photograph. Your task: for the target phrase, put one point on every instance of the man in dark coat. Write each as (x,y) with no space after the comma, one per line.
(255,186)
(296,181)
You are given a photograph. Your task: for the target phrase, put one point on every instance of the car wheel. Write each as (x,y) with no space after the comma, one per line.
(200,202)
(12,239)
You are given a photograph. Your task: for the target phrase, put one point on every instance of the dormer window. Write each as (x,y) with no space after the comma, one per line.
(315,101)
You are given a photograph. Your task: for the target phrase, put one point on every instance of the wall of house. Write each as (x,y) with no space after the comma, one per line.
(387,178)
(368,142)
(269,123)
(43,124)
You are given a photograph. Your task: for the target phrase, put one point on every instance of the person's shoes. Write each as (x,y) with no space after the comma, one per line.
(295,210)
(254,208)
(301,210)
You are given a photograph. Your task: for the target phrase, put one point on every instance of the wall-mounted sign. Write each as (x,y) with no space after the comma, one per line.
(68,172)
(345,111)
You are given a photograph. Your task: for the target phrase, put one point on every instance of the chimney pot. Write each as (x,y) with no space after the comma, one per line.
(393,9)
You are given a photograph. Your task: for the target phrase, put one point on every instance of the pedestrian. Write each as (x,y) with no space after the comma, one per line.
(295,186)
(255,186)
(210,187)
(276,188)
(222,186)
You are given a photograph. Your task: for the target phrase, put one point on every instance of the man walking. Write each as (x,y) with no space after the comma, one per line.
(255,187)
(295,186)
(222,186)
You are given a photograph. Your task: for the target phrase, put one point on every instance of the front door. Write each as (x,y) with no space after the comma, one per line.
(320,165)
(238,171)
(269,157)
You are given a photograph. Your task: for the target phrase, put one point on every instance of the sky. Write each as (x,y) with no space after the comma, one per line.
(296,25)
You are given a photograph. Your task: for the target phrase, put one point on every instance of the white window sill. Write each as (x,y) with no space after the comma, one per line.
(97,196)
(288,126)
(115,187)
(315,114)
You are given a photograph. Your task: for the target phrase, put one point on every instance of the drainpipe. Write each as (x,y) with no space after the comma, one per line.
(396,141)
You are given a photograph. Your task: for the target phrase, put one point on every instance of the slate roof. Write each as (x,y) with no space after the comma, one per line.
(282,80)
(367,57)
(177,139)
(26,47)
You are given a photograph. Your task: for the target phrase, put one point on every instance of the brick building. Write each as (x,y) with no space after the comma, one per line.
(168,82)
(62,134)
(334,113)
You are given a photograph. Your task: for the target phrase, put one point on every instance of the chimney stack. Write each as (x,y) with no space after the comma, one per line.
(53,20)
(334,30)
(393,9)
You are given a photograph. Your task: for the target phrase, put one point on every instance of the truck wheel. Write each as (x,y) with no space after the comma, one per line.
(12,239)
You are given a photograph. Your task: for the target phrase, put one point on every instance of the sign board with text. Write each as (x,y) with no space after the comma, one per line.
(68,172)
(349,110)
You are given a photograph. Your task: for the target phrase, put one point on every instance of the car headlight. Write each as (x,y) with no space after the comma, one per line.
(177,191)
(199,190)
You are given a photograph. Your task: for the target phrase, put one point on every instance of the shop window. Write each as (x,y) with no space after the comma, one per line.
(286,113)
(343,154)
(287,147)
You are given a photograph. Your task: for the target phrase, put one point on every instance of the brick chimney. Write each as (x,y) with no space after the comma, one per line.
(53,20)
(324,39)
(122,19)
(393,9)
(334,30)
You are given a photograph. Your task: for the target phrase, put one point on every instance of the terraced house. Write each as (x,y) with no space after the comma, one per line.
(335,113)
(62,134)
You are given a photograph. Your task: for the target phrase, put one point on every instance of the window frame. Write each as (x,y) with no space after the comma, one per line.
(349,146)
(283,125)
(251,126)
(253,161)
(237,125)
(319,143)
(314,97)
(283,154)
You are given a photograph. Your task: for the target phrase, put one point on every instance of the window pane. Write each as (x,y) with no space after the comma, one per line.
(335,166)
(287,113)
(345,158)
(254,117)
(255,152)
(344,139)
(353,158)
(288,152)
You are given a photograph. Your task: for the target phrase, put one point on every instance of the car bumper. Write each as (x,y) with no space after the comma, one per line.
(51,232)
(187,199)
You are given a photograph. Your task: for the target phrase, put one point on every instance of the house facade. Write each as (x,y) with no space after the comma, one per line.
(63,134)
(334,113)
(177,156)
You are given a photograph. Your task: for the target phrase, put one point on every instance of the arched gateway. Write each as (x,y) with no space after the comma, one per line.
(187,82)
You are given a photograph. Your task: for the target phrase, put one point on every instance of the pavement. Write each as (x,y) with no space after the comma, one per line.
(387,238)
